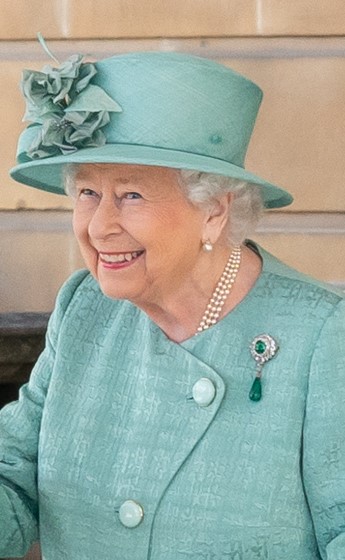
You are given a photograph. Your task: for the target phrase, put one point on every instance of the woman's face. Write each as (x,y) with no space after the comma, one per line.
(139,235)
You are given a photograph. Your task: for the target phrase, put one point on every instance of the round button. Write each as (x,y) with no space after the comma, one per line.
(204,391)
(131,513)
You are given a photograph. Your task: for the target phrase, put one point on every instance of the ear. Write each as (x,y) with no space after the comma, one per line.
(216,217)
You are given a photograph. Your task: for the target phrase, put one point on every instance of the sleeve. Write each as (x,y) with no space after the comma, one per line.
(19,435)
(324,437)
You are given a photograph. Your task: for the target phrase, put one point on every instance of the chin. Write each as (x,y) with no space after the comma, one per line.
(114,290)
(112,293)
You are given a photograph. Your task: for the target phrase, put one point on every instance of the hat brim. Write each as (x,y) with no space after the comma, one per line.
(46,174)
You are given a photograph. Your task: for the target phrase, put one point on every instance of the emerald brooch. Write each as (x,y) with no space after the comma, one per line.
(262,349)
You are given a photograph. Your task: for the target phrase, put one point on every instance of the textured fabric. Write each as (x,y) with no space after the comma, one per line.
(108,416)
(178,111)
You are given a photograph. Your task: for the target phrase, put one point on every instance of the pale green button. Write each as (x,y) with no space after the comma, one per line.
(131,513)
(204,391)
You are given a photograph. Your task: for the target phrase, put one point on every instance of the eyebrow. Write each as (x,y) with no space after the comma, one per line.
(119,180)
(130,179)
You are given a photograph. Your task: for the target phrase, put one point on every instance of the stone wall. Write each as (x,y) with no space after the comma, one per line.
(294,50)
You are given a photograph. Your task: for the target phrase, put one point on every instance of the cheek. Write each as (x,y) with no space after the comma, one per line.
(165,222)
(170,237)
(182,226)
(154,230)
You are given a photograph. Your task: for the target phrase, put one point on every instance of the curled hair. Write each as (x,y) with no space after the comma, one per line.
(202,189)
(246,208)
(69,173)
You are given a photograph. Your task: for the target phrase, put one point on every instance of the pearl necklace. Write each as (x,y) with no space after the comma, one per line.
(221,292)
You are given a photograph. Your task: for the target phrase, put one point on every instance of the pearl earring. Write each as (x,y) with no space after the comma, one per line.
(207,246)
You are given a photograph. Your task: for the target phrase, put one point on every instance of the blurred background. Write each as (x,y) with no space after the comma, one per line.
(293,49)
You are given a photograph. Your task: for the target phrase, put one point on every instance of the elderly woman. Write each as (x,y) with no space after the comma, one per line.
(190,401)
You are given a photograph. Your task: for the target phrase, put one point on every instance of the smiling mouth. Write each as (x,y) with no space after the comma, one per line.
(119,258)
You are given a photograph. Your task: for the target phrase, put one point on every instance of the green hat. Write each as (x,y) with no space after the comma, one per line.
(149,108)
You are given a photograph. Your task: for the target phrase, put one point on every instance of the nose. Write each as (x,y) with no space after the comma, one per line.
(105,220)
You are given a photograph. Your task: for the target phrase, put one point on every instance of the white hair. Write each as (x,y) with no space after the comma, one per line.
(202,189)
(245,210)
(69,173)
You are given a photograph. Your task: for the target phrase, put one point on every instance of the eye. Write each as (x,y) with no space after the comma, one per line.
(132,195)
(85,192)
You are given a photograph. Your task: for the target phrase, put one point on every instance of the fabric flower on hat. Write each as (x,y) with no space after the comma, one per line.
(69,109)
(53,89)
(79,129)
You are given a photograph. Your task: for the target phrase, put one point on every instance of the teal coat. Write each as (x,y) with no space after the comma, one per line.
(109,416)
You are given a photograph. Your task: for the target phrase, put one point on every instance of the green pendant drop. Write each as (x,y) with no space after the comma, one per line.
(255,391)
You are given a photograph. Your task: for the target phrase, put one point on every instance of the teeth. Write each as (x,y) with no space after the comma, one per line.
(120,258)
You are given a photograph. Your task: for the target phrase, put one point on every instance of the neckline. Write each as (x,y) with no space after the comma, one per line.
(239,308)
(229,317)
